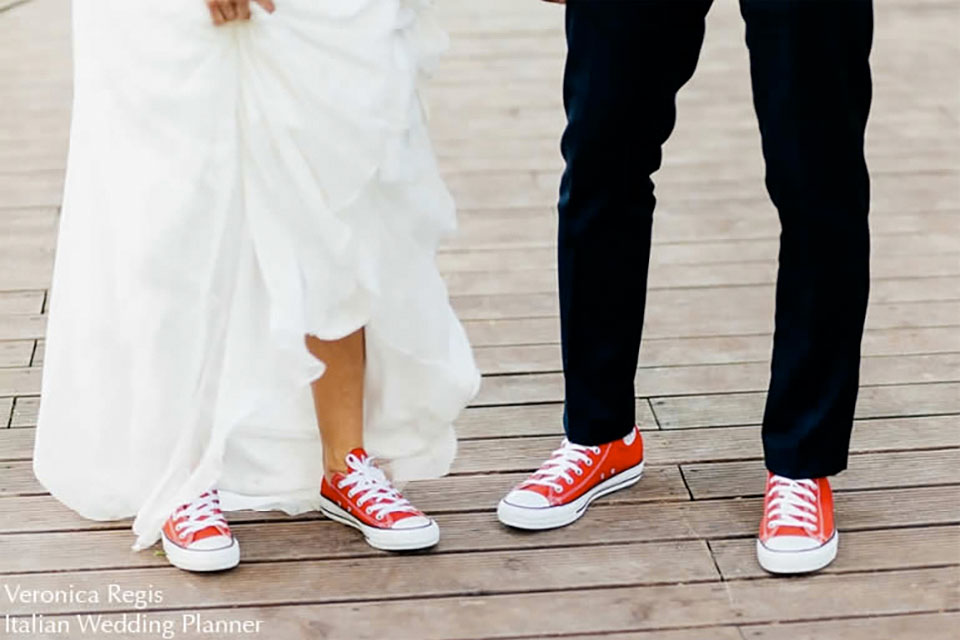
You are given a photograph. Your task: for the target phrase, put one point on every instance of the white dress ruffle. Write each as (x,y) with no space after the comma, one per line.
(230,190)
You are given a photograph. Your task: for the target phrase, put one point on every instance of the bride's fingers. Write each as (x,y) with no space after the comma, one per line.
(228,9)
(243,9)
(215,13)
(267,4)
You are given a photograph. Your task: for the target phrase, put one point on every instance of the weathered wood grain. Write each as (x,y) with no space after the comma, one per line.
(861,551)
(19,381)
(22,326)
(541,358)
(868,471)
(6,411)
(398,576)
(509,453)
(16,353)
(20,301)
(680,446)
(684,412)
(615,609)
(739,315)
(724,378)
(25,409)
(937,626)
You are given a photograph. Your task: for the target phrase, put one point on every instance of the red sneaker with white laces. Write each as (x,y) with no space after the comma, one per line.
(365,499)
(197,537)
(560,491)
(797,532)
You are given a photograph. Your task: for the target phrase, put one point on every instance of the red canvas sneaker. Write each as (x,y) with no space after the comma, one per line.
(560,491)
(797,533)
(365,499)
(197,537)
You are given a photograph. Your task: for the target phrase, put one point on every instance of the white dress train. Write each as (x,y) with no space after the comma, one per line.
(230,190)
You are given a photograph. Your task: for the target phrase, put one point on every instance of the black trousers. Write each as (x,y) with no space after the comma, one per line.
(812,88)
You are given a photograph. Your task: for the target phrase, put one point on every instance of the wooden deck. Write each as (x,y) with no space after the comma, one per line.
(672,558)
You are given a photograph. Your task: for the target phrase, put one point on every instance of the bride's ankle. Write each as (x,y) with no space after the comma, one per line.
(334,464)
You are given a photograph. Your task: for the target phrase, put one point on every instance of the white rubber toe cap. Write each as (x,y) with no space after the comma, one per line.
(413,522)
(212,543)
(528,499)
(791,543)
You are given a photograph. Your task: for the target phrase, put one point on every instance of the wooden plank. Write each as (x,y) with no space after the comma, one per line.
(654,352)
(700,633)
(715,444)
(458,493)
(758,297)
(665,447)
(736,316)
(16,353)
(494,227)
(930,626)
(16,444)
(724,378)
(25,409)
(661,483)
(17,479)
(545,419)
(6,411)
(517,190)
(867,471)
(22,326)
(528,420)
(26,251)
(20,302)
(623,521)
(81,544)
(19,381)
(396,576)
(895,257)
(615,609)
(729,409)
(522,279)
(859,551)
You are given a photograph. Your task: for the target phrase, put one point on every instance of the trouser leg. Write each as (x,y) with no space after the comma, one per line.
(812,91)
(626,61)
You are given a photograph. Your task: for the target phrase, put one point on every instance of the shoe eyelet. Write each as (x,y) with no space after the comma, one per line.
(589,462)
(368,511)
(557,490)
(596,450)
(579,471)
(379,516)
(570,481)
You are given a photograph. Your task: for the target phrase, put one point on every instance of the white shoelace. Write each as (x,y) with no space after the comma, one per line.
(564,461)
(201,513)
(794,504)
(371,485)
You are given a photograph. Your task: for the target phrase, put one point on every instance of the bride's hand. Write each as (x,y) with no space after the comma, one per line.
(223,11)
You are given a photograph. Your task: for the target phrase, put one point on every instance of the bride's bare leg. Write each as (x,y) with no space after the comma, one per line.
(361,495)
(338,397)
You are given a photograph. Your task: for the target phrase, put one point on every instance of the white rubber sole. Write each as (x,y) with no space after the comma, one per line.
(202,560)
(386,539)
(805,561)
(540,518)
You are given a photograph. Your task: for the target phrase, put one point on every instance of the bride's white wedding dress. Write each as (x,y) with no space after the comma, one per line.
(230,190)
